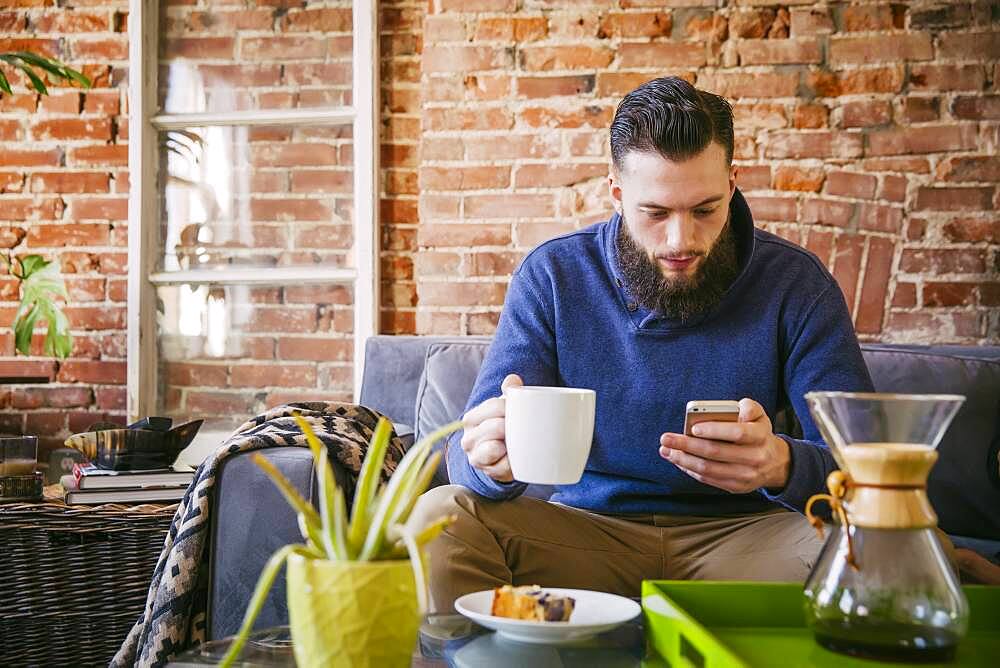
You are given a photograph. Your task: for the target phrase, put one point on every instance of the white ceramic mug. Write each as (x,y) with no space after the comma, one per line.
(549,431)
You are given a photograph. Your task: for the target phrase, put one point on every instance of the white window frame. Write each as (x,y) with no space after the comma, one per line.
(143,158)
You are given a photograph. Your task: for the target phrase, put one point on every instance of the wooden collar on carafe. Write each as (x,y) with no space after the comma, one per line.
(885,489)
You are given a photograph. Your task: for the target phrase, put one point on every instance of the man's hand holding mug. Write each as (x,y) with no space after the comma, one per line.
(484,440)
(531,433)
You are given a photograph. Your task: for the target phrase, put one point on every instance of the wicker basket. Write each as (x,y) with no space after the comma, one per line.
(74,579)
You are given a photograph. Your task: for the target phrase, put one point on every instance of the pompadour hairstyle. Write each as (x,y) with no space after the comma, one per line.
(671,117)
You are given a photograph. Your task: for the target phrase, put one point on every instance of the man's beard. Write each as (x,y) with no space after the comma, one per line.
(680,298)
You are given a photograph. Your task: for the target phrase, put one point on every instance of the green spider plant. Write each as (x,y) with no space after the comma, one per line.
(376,529)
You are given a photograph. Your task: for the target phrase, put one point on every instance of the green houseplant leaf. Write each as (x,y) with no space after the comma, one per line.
(41,287)
(367,485)
(402,486)
(30,63)
(331,500)
(308,517)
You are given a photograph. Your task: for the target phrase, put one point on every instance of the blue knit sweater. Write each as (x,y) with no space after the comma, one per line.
(780,331)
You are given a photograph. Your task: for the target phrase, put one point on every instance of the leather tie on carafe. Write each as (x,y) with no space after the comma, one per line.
(837,482)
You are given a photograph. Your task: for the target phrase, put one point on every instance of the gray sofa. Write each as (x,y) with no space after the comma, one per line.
(424,382)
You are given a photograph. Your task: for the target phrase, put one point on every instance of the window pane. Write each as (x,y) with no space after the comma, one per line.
(229,352)
(220,55)
(256,196)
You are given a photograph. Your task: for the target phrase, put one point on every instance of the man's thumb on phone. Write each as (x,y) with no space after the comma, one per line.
(512,380)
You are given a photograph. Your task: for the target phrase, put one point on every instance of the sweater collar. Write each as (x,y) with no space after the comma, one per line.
(742,221)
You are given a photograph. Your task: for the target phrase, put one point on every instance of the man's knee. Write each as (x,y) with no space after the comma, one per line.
(440,502)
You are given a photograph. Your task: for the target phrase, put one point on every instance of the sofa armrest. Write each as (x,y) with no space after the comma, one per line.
(251,520)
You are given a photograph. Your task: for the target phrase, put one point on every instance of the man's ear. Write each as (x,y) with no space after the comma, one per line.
(615,190)
(733,171)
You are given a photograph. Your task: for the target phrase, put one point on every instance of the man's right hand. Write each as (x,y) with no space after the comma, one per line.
(484,438)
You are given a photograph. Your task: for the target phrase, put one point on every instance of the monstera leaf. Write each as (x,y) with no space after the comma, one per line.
(41,286)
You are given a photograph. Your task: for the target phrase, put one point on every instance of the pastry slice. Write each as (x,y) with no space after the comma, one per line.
(531,602)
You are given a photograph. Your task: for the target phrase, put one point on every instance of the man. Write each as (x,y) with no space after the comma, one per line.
(676,297)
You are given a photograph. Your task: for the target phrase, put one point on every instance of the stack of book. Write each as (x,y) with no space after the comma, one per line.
(89,485)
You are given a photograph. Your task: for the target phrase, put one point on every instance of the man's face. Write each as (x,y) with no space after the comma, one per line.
(675,211)
(676,249)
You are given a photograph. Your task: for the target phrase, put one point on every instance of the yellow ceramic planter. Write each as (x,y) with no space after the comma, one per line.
(352,613)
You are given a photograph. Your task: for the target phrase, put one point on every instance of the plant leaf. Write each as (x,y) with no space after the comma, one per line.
(407,491)
(192,137)
(333,543)
(340,524)
(312,520)
(32,263)
(434,529)
(264,584)
(36,82)
(419,572)
(387,500)
(50,65)
(328,491)
(419,486)
(364,491)
(24,326)
(78,77)
(424,536)
(181,149)
(40,286)
(315,447)
(58,340)
(53,67)
(390,498)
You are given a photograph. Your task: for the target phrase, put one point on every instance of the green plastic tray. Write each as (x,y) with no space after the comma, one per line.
(754,624)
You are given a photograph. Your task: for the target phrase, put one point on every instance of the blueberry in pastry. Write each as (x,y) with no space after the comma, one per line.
(531,602)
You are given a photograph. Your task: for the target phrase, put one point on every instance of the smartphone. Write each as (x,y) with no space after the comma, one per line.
(710,411)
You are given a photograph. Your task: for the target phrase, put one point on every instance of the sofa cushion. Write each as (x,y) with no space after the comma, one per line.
(964,486)
(393,368)
(450,370)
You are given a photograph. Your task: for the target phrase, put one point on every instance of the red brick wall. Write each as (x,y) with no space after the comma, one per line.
(401,43)
(63,194)
(867,132)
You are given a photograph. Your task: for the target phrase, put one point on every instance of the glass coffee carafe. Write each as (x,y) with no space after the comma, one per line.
(882,586)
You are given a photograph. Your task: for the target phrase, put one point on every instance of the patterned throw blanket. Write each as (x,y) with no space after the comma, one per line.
(174,617)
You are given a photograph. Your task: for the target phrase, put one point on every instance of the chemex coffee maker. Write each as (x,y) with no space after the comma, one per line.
(19,479)
(882,587)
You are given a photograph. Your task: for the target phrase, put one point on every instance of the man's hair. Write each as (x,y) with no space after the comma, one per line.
(671,117)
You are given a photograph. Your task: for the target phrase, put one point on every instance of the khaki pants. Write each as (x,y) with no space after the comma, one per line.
(530,541)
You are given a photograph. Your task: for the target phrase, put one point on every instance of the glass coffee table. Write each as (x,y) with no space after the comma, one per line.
(453,640)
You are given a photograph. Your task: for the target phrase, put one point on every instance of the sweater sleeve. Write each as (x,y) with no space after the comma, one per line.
(524,344)
(824,355)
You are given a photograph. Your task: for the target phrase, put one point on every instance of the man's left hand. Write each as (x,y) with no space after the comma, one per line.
(738,457)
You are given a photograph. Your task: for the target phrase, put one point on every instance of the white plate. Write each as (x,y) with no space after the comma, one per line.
(594,612)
